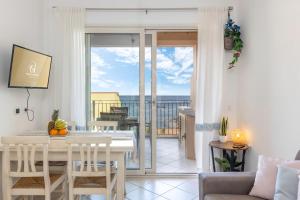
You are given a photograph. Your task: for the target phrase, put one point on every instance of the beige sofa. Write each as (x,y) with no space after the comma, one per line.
(227,185)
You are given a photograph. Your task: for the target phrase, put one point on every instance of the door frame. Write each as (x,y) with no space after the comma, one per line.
(142,31)
(153,34)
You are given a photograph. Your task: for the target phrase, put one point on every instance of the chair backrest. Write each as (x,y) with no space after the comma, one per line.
(89,147)
(121,110)
(25,148)
(103,125)
(111,116)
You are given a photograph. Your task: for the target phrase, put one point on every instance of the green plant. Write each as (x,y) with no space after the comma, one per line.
(224,162)
(223,126)
(233,31)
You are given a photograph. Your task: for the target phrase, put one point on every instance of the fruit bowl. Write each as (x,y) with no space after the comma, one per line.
(57,127)
(58,132)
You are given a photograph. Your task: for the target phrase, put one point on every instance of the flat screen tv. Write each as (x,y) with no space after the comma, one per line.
(29,69)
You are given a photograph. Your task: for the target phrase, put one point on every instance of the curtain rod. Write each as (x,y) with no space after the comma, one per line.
(230,8)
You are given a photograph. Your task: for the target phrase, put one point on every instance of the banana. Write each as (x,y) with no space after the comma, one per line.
(60,124)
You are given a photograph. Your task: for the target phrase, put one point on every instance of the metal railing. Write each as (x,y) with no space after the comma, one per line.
(167,113)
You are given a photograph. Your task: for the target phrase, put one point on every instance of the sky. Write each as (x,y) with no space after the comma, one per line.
(116,69)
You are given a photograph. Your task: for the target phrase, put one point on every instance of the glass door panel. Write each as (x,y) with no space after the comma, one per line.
(115,84)
(122,87)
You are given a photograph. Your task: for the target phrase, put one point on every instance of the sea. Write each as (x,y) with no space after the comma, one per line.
(167,109)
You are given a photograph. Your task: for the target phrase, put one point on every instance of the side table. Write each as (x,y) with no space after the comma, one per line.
(228,146)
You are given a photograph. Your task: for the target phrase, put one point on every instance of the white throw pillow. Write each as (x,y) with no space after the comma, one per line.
(265,180)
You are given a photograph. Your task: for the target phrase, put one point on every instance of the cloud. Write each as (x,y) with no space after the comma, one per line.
(98,77)
(128,55)
(175,64)
(176,68)
(97,66)
(107,84)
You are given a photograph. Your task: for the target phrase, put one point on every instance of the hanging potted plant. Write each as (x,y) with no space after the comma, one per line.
(223,130)
(232,40)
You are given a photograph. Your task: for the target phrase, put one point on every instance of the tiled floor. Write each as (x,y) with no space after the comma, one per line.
(162,188)
(158,189)
(170,157)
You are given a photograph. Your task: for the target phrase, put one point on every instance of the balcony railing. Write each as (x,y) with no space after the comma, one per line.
(167,113)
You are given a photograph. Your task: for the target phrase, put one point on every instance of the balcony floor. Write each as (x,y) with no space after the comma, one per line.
(171,157)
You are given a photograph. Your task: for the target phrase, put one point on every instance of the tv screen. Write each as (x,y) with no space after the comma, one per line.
(29,69)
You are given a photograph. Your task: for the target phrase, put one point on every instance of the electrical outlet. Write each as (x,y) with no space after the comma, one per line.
(17,110)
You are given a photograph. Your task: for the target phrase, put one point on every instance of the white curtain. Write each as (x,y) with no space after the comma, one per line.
(67,45)
(208,81)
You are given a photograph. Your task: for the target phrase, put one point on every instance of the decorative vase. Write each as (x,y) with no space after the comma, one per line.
(223,138)
(228,43)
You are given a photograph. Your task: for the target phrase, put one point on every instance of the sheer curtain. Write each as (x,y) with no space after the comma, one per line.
(68,72)
(208,81)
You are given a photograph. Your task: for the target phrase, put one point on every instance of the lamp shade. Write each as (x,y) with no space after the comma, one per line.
(238,136)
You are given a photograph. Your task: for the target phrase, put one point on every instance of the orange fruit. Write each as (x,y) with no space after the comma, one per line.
(63,131)
(53,132)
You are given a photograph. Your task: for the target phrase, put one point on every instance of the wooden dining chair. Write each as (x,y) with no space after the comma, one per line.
(103,126)
(88,178)
(26,179)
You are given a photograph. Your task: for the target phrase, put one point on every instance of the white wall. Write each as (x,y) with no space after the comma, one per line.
(269,77)
(21,22)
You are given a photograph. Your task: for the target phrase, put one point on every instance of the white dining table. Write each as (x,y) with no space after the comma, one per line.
(122,142)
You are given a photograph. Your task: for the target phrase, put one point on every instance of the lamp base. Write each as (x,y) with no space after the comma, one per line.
(238,146)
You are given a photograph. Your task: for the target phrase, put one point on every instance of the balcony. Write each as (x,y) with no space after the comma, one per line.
(127,110)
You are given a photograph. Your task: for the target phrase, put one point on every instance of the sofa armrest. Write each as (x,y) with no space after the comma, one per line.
(225,183)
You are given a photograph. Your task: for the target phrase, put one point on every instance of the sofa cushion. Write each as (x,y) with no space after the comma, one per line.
(230,197)
(286,184)
(264,185)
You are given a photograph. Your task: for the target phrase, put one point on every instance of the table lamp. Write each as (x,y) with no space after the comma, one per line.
(238,137)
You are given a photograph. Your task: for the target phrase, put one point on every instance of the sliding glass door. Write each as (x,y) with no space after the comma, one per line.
(120,87)
(126,69)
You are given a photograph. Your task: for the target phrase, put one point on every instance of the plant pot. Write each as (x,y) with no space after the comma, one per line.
(228,43)
(223,138)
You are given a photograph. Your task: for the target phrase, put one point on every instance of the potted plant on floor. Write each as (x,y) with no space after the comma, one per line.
(223,130)
(233,41)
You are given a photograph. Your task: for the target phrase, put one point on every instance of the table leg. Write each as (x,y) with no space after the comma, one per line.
(213,158)
(232,163)
(243,161)
(121,176)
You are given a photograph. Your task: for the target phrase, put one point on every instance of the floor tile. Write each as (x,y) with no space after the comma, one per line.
(141,182)
(177,194)
(190,186)
(130,187)
(160,198)
(158,187)
(140,194)
(173,182)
